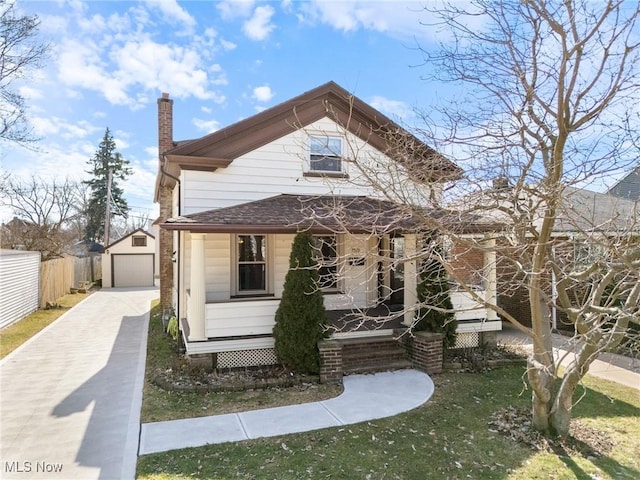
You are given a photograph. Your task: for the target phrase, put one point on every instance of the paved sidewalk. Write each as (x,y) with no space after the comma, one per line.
(609,366)
(365,397)
(71,395)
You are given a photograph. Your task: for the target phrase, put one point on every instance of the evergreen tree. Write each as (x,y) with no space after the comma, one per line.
(301,314)
(106,160)
(433,291)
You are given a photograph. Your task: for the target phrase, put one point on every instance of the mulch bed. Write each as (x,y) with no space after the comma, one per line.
(185,378)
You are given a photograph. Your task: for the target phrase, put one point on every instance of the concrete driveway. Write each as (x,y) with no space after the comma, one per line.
(71,396)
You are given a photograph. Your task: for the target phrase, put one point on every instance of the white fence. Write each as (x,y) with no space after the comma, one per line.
(19,284)
(26,283)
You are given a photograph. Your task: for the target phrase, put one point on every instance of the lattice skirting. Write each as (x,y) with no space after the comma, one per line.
(247,358)
(467,340)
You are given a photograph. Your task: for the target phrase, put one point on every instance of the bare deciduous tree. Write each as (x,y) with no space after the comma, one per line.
(544,107)
(547,107)
(43,212)
(19,53)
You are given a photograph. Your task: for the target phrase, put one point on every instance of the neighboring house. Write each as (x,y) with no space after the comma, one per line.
(582,214)
(130,261)
(85,248)
(628,186)
(231,203)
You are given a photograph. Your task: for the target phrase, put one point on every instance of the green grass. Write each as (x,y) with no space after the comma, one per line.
(447,438)
(159,404)
(16,334)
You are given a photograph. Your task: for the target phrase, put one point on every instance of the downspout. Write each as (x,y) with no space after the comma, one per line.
(164,172)
(177,257)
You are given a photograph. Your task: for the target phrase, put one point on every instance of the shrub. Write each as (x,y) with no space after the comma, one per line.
(433,291)
(301,315)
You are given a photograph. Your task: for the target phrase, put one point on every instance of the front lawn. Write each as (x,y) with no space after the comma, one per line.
(161,404)
(448,437)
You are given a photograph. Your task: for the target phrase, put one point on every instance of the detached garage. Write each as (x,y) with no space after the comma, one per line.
(130,261)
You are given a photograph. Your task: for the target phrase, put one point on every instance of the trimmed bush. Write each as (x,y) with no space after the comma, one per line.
(433,291)
(301,315)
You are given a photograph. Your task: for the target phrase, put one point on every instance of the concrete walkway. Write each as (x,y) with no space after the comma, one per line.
(609,366)
(365,397)
(71,395)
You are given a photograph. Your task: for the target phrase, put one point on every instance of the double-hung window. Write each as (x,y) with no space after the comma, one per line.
(326,253)
(252,264)
(326,153)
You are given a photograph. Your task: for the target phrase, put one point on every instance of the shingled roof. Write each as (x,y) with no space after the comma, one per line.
(291,213)
(220,148)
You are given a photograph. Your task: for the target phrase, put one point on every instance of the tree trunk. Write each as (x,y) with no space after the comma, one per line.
(541,383)
(560,417)
(541,368)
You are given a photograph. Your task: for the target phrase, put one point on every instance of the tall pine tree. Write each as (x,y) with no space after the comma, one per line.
(301,314)
(106,160)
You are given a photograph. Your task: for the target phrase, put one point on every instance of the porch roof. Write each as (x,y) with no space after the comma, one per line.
(288,213)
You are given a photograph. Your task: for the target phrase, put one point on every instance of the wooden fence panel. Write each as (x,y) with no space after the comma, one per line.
(56,279)
(87,270)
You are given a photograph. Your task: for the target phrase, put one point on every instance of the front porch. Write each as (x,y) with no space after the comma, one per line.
(239,332)
(232,276)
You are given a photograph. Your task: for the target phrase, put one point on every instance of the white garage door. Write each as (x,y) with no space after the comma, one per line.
(133,270)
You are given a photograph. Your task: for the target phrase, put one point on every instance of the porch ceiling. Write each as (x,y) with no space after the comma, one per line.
(291,213)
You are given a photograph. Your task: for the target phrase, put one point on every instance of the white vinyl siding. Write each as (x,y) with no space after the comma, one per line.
(359,283)
(19,284)
(273,169)
(282,253)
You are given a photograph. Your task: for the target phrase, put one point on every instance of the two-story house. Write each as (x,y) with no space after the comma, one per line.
(232,201)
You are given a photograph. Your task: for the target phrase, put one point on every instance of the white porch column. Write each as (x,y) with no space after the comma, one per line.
(490,276)
(197,297)
(410,279)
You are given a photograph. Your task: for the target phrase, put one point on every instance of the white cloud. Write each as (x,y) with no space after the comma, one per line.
(263,93)
(152,152)
(230,9)
(402,19)
(207,126)
(227,45)
(55,127)
(134,65)
(172,11)
(259,26)
(30,93)
(393,108)
(92,25)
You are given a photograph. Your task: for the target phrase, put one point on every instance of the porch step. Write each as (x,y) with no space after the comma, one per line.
(377,367)
(373,354)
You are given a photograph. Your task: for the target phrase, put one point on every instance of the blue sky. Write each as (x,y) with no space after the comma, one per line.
(221,61)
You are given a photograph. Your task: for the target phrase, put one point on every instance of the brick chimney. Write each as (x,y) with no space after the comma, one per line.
(165,237)
(165,123)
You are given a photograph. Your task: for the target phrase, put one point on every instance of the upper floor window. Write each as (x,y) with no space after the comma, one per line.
(326,153)
(139,241)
